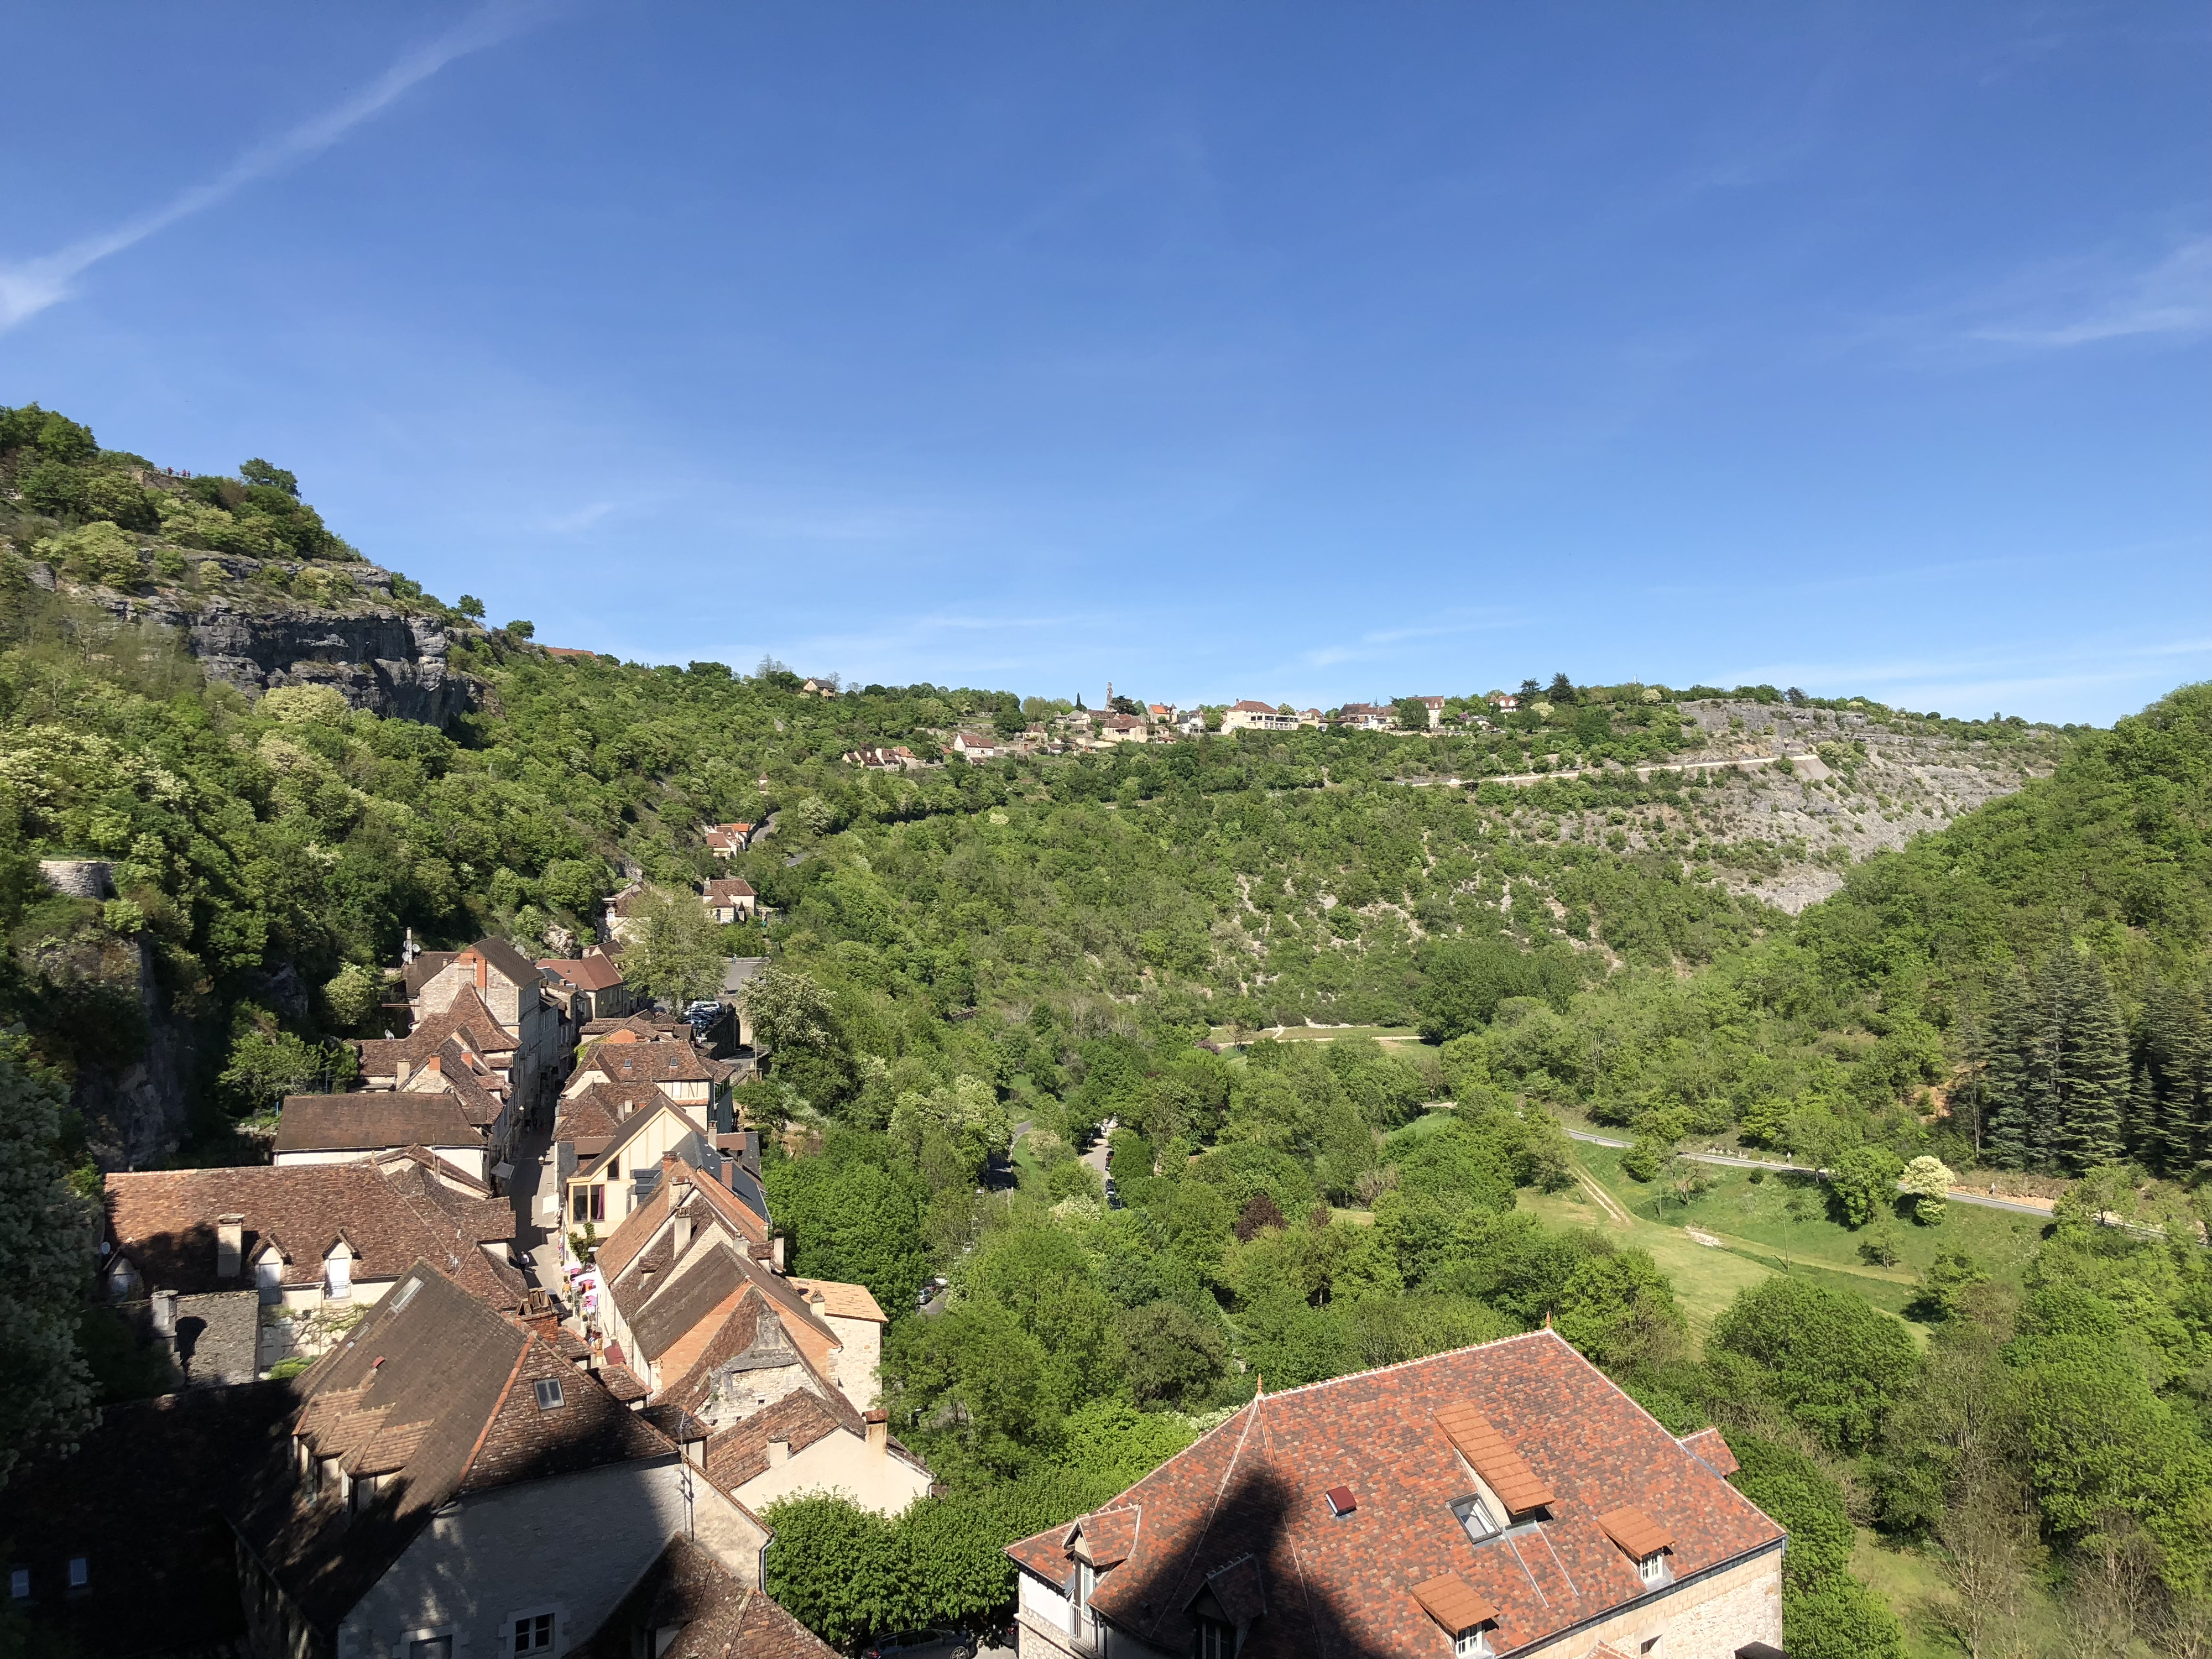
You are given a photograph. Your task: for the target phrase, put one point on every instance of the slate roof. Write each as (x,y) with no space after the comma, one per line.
(372,1120)
(720,1617)
(1255,1487)
(390,1211)
(436,1390)
(518,969)
(670,1312)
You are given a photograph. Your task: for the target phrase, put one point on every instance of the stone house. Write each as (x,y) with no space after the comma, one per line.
(1367,717)
(672,1063)
(455,1487)
(512,989)
(1250,716)
(1436,708)
(594,984)
(690,1605)
(1123,728)
(1505,1499)
(347,1128)
(730,898)
(974,747)
(785,1372)
(726,840)
(309,1243)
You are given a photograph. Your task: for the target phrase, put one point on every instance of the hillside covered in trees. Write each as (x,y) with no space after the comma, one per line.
(1052,944)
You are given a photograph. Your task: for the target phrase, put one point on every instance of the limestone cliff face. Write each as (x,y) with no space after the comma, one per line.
(244,622)
(382,660)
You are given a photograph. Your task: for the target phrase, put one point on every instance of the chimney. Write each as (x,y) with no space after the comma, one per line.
(779,1453)
(775,1252)
(229,1245)
(401,1072)
(483,972)
(879,1432)
(683,1234)
(164,1315)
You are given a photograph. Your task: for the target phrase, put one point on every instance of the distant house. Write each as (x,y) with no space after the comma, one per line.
(596,987)
(1505,1498)
(569,654)
(1160,714)
(1504,701)
(1311,719)
(1123,728)
(618,913)
(730,898)
(975,747)
(728,840)
(299,1240)
(1248,716)
(879,759)
(1436,708)
(818,689)
(1366,717)
(455,1484)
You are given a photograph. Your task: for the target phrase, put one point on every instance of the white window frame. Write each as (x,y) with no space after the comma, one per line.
(551,1385)
(268,1277)
(530,1615)
(410,1639)
(1653,1571)
(337,1275)
(1472,1645)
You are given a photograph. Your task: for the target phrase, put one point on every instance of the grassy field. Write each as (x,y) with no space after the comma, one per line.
(1755,1233)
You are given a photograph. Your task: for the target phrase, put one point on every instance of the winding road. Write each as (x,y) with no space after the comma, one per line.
(1959,1194)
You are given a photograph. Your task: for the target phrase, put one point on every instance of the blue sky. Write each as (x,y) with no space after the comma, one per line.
(1299,352)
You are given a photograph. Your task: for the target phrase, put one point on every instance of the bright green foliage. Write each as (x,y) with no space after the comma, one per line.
(1928,1183)
(855,1213)
(1828,1358)
(1620,1311)
(1825,1611)
(676,953)
(1864,1182)
(2055,1068)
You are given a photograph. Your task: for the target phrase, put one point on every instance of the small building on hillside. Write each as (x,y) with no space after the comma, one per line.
(1366,717)
(351,1128)
(974,747)
(595,984)
(726,840)
(730,898)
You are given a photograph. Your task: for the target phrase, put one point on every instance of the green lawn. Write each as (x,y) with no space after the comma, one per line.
(1755,1234)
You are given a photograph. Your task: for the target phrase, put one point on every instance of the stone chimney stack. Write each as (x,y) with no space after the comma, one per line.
(229,1245)
(165,1316)
(879,1432)
(775,1252)
(683,1234)
(779,1453)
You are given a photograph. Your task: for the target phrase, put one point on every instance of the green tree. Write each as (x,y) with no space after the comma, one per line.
(855,1213)
(1825,1611)
(835,1566)
(259,471)
(1832,1361)
(674,953)
(1927,1181)
(45,1241)
(1619,1311)
(1171,1359)
(1864,1183)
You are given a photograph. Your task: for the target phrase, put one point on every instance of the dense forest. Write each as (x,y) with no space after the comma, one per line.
(978,968)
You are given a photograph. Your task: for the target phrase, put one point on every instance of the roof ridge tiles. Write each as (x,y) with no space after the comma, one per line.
(1425,1359)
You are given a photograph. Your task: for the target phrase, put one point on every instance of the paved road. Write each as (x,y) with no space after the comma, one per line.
(533,1177)
(1643,773)
(1986,1200)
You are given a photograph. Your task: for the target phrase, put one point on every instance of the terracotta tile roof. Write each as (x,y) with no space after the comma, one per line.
(448,1175)
(845,1301)
(724,889)
(372,1121)
(590,973)
(706,1289)
(646,1062)
(1256,1487)
(441,1389)
(739,1454)
(1455,1606)
(1249,707)
(1493,1458)
(714,1615)
(634,1127)
(642,1225)
(1708,1448)
(1634,1531)
(390,1213)
(1106,1536)
(511,964)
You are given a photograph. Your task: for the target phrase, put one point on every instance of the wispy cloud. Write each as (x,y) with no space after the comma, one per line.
(29,286)
(1376,645)
(2084,301)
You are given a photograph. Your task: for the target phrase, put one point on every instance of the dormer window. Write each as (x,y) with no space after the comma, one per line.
(1647,1544)
(550,1397)
(1472,1645)
(1215,1640)
(337,1272)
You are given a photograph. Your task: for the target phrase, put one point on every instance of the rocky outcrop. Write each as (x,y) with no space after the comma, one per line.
(248,632)
(380,659)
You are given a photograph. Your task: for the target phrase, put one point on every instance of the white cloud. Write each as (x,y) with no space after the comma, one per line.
(2087,301)
(29,286)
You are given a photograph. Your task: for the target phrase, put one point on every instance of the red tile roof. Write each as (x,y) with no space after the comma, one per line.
(1256,1487)
(1493,1458)
(591,973)
(1634,1531)
(1449,1601)
(1707,1446)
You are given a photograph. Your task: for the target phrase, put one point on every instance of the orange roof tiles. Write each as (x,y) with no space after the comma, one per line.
(1494,1458)
(1634,1531)
(1449,1601)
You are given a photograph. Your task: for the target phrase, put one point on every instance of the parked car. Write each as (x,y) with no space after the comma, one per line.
(930,1291)
(938,1643)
